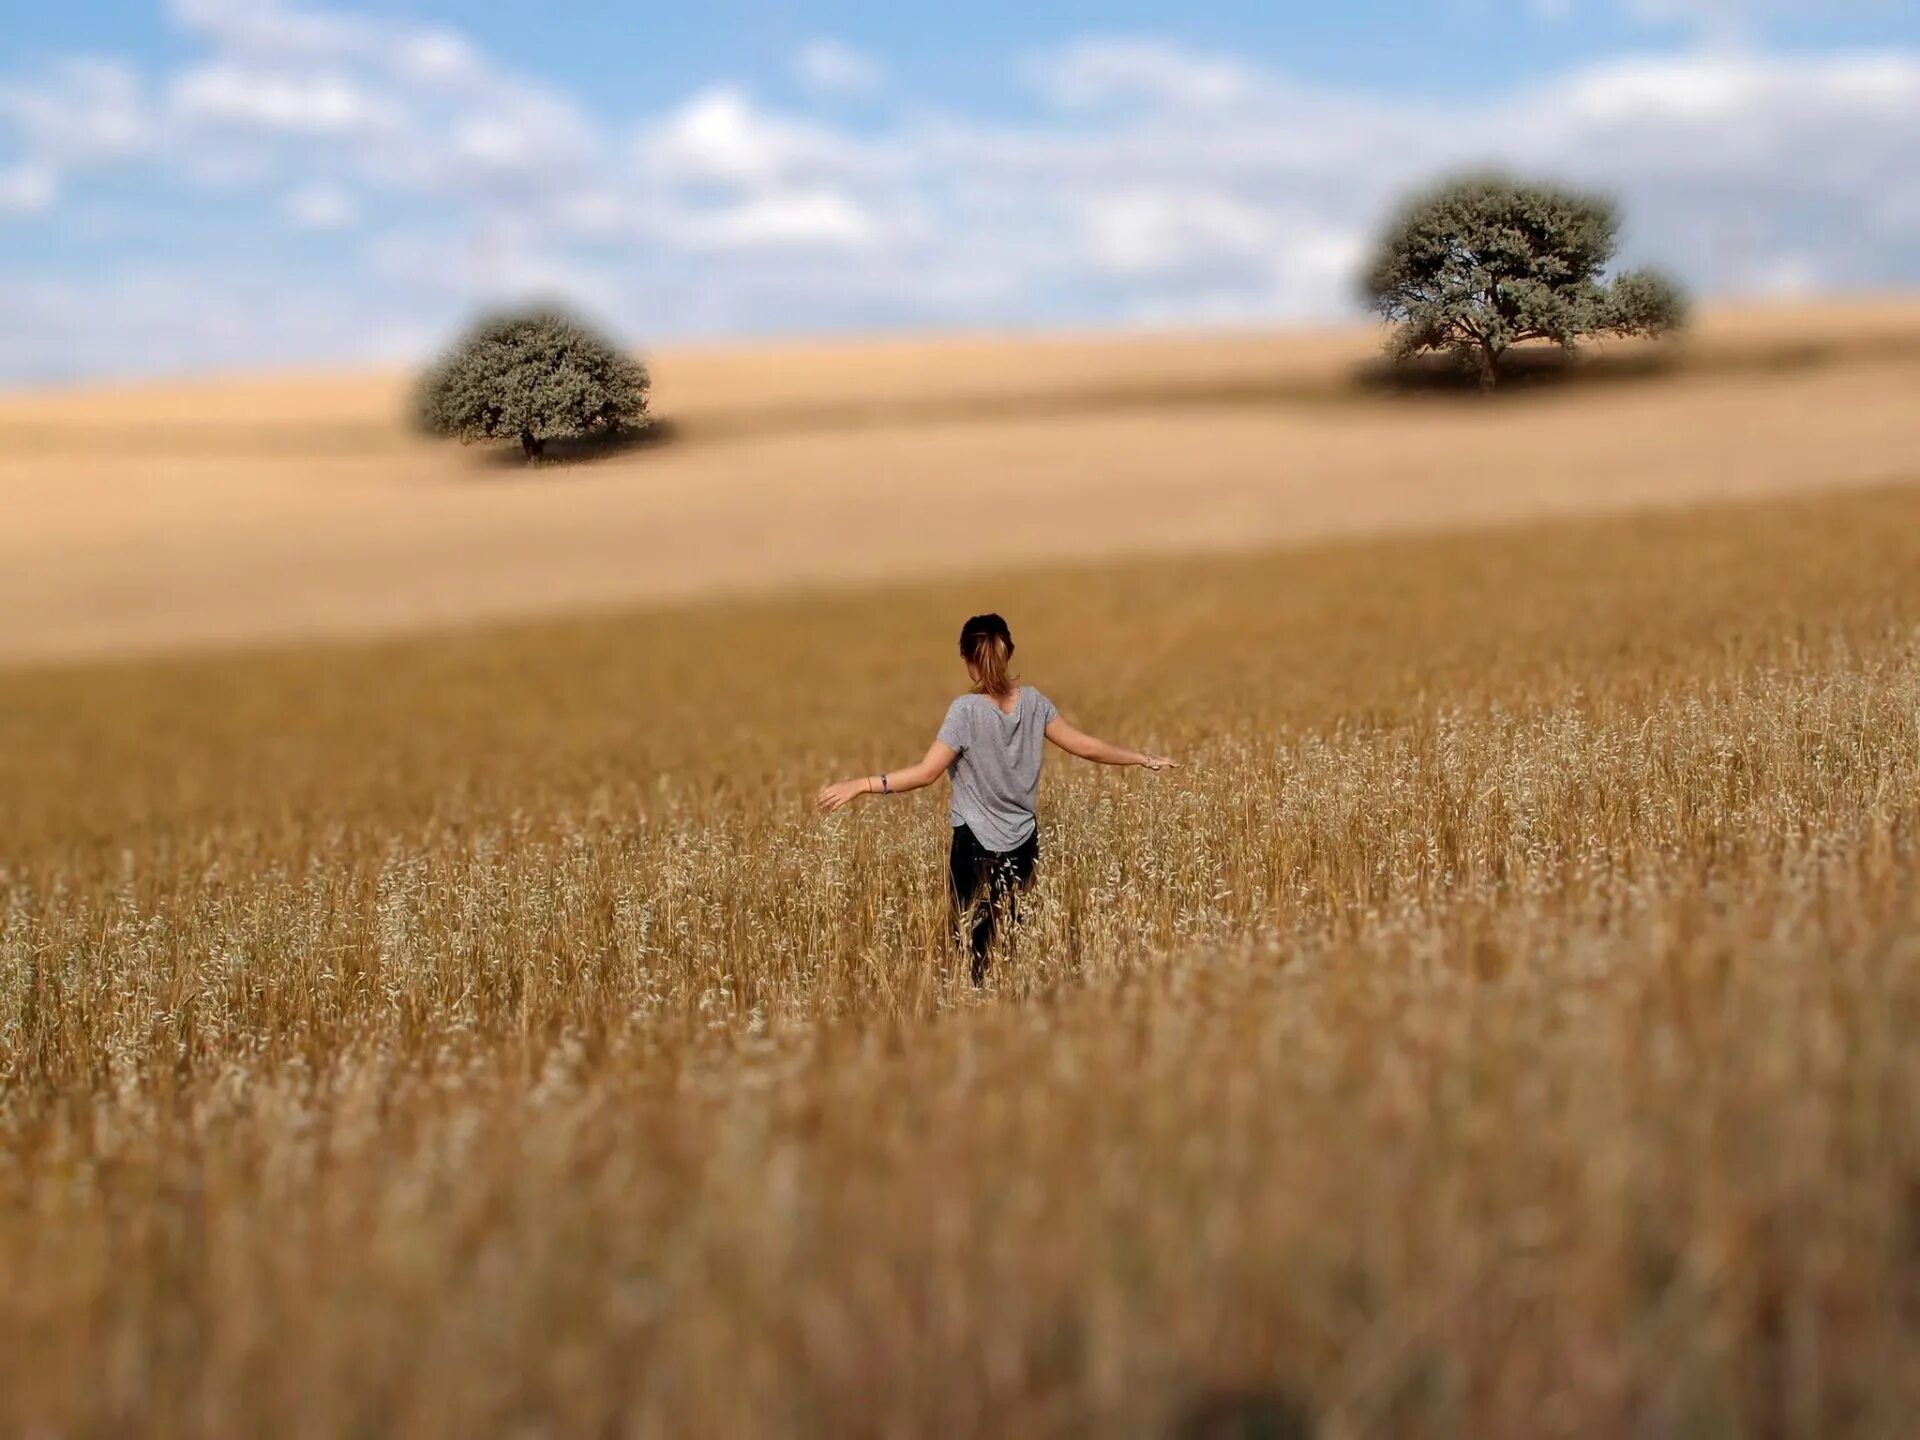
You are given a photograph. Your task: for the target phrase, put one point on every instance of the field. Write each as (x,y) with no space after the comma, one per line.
(1503,1025)
(254,510)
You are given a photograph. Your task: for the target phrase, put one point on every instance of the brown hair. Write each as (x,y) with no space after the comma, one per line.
(987,646)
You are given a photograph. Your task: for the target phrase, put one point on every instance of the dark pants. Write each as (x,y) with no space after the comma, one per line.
(983,882)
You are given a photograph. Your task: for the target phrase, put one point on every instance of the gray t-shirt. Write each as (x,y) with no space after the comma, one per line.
(997,775)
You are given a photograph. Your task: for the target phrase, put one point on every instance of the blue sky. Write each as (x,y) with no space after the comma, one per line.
(616,63)
(226,183)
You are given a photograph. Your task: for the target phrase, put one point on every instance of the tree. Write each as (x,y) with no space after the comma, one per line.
(535,375)
(1480,264)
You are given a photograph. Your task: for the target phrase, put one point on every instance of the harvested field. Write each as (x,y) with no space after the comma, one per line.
(178,516)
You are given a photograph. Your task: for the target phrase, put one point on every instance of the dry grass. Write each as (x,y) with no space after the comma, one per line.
(177,516)
(1503,1027)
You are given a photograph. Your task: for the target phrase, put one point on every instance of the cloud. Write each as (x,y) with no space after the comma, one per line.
(86,111)
(786,219)
(320,206)
(830,67)
(173,320)
(722,174)
(27,188)
(410,108)
(720,137)
(1156,231)
(270,28)
(1735,167)
(1153,183)
(1103,72)
(247,98)
(1724,21)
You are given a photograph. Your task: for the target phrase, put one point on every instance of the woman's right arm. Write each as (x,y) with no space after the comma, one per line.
(893,782)
(1087,747)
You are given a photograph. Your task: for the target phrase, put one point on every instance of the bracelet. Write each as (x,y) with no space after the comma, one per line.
(885,789)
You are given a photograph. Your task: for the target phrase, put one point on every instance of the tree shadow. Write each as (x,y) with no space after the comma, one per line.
(1545,369)
(1249,1413)
(580,452)
(1521,372)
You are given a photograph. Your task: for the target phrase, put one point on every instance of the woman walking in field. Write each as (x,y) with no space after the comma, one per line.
(990,745)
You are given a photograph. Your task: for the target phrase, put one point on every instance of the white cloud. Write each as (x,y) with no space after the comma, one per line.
(720,137)
(167,317)
(250,98)
(1163,184)
(1776,131)
(440,58)
(416,108)
(1157,231)
(274,30)
(1725,21)
(810,219)
(81,114)
(722,174)
(320,206)
(1726,17)
(1116,71)
(28,188)
(831,67)
(85,111)
(1787,274)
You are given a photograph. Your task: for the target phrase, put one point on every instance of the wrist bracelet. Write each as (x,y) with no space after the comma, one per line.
(885,789)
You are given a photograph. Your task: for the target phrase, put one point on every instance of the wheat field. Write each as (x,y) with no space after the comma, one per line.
(1503,1025)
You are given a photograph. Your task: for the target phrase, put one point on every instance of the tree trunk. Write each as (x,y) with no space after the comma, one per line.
(1489,369)
(531,445)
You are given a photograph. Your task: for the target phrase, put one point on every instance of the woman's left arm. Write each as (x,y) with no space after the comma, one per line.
(1087,747)
(891,782)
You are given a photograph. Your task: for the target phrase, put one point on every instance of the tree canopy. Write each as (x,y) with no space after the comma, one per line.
(532,375)
(1481,264)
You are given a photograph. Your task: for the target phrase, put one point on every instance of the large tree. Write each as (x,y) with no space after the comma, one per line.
(534,376)
(1481,264)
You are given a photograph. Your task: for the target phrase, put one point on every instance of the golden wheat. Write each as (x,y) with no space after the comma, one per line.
(1502,1026)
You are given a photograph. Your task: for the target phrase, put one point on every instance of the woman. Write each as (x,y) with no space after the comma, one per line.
(990,746)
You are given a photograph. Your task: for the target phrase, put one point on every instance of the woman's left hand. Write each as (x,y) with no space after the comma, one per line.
(835,797)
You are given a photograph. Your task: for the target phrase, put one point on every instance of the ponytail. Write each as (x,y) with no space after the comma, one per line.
(987,646)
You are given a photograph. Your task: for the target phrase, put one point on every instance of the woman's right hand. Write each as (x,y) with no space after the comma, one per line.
(1159,762)
(838,796)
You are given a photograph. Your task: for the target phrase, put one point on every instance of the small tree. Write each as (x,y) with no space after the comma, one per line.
(534,375)
(1480,264)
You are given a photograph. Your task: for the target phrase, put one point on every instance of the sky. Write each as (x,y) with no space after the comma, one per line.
(191,185)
